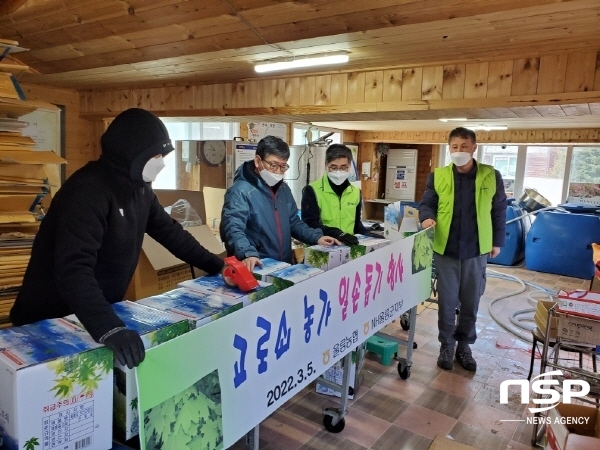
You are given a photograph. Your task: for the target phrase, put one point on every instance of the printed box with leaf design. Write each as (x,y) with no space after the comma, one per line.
(154,327)
(283,279)
(366,244)
(269,265)
(214,284)
(326,258)
(198,308)
(56,388)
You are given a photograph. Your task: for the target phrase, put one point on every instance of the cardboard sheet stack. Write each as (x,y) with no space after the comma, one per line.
(23,181)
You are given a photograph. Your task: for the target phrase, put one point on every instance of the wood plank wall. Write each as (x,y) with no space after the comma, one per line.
(539,136)
(82,138)
(547,80)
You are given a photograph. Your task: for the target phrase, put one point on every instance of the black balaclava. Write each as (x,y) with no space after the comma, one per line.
(135,136)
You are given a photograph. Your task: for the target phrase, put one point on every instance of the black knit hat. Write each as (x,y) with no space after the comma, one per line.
(132,139)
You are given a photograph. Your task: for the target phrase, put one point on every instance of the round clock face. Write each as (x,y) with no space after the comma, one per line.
(213,152)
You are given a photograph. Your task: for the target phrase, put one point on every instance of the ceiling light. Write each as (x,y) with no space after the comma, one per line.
(308,61)
(457,120)
(488,128)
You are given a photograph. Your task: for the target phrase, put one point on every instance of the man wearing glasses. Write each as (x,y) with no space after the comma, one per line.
(260,216)
(331,203)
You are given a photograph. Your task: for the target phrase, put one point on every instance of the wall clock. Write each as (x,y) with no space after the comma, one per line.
(213,152)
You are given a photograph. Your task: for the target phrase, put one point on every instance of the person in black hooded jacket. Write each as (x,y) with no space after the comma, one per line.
(89,242)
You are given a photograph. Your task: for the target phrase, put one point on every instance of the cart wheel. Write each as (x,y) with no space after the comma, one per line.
(327,420)
(404,372)
(404,323)
(415,345)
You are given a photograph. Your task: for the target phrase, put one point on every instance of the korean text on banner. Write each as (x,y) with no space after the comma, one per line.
(209,387)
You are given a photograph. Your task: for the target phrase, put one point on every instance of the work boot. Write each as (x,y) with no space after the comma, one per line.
(465,358)
(446,358)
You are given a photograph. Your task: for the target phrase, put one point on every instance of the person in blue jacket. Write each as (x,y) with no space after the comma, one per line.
(260,215)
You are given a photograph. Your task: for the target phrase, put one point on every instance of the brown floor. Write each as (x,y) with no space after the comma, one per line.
(391,413)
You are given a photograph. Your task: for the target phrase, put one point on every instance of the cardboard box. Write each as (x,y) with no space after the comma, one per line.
(262,273)
(154,327)
(581,303)
(541,317)
(443,443)
(11,337)
(160,271)
(213,200)
(215,285)
(326,258)
(579,329)
(595,284)
(168,197)
(283,279)
(575,435)
(20,156)
(394,216)
(366,245)
(45,399)
(336,372)
(196,307)
(64,331)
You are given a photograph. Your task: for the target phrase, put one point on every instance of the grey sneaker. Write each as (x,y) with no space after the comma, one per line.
(446,358)
(465,358)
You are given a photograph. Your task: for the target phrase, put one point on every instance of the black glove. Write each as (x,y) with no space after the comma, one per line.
(127,346)
(347,239)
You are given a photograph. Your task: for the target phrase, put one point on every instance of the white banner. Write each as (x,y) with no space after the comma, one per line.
(264,354)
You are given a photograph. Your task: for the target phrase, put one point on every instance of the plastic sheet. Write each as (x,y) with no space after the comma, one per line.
(183,212)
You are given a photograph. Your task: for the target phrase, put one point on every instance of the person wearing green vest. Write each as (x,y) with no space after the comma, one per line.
(466,203)
(331,203)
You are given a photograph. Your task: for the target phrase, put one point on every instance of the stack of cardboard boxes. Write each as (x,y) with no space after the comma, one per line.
(23,181)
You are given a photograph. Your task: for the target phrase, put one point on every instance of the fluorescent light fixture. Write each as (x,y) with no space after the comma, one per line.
(457,120)
(308,61)
(488,128)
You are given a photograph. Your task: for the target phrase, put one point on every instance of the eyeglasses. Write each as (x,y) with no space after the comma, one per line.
(338,168)
(273,166)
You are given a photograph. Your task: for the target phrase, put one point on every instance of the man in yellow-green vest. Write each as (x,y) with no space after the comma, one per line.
(331,203)
(466,203)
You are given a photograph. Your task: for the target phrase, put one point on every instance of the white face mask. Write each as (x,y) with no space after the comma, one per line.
(338,177)
(270,178)
(152,168)
(460,158)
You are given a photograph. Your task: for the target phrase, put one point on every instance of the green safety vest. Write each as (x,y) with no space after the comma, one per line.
(339,212)
(485,189)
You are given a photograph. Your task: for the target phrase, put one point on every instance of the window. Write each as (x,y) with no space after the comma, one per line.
(545,171)
(506,165)
(543,168)
(502,157)
(584,176)
(299,134)
(585,165)
(504,160)
(181,129)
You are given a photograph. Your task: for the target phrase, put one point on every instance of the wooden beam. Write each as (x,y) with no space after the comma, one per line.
(10,6)
(536,136)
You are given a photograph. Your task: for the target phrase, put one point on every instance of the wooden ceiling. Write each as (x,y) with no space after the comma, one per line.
(97,44)
(131,44)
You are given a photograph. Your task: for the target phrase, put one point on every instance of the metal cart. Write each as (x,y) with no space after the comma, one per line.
(573,353)
(333,417)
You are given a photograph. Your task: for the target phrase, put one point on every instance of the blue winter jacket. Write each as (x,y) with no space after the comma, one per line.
(257,222)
